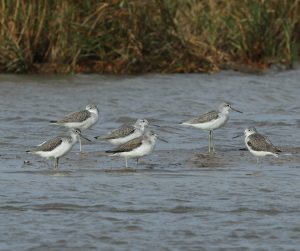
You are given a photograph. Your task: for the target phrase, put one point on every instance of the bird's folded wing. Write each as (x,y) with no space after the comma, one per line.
(204,118)
(128,146)
(119,133)
(75,117)
(49,145)
(259,142)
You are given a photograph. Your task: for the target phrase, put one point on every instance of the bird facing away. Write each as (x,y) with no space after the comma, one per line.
(211,121)
(82,120)
(258,144)
(124,134)
(58,146)
(136,148)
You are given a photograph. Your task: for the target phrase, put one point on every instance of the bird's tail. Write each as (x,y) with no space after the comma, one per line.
(110,151)
(100,137)
(185,123)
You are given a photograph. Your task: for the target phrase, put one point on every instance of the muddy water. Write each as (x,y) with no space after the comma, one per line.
(179,198)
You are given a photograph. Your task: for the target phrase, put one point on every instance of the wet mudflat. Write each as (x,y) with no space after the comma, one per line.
(178,198)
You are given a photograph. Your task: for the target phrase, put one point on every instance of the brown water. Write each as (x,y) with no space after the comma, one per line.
(179,198)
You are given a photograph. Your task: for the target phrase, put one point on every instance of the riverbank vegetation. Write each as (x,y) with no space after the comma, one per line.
(137,36)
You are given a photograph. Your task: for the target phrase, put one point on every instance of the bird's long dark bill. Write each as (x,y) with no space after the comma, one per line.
(163,140)
(85,138)
(239,135)
(236,110)
(156,125)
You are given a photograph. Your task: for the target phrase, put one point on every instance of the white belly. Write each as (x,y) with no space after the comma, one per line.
(59,151)
(143,150)
(261,153)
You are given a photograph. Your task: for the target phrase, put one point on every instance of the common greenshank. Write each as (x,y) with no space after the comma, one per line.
(82,119)
(211,121)
(58,146)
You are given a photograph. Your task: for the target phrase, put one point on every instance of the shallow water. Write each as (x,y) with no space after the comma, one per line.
(178,198)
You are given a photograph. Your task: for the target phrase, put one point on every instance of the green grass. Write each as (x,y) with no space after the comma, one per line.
(136,36)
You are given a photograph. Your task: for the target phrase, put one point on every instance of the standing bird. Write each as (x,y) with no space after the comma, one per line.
(58,146)
(124,134)
(137,147)
(82,120)
(211,121)
(259,145)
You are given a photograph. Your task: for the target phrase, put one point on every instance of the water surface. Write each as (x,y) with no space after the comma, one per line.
(178,198)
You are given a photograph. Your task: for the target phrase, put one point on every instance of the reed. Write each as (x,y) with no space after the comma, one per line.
(135,36)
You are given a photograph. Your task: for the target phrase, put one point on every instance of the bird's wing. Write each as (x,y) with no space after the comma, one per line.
(49,145)
(75,117)
(209,116)
(259,142)
(128,146)
(119,133)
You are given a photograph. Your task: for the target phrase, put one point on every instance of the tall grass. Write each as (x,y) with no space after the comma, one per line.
(130,36)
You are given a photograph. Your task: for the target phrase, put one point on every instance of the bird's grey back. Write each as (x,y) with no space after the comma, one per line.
(128,146)
(209,116)
(75,117)
(120,133)
(49,145)
(259,142)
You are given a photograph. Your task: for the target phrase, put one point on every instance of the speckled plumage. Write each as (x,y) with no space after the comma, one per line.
(119,133)
(204,118)
(49,145)
(128,146)
(258,142)
(75,117)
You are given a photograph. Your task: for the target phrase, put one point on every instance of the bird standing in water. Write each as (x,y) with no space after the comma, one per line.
(124,134)
(58,146)
(211,121)
(82,120)
(259,145)
(137,147)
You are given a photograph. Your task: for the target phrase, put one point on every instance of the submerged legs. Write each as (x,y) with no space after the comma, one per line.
(126,162)
(55,163)
(211,144)
(209,141)
(212,141)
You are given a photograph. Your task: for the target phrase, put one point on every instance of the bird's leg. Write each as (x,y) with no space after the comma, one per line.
(212,141)
(80,148)
(257,172)
(209,141)
(55,163)
(126,162)
(137,161)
